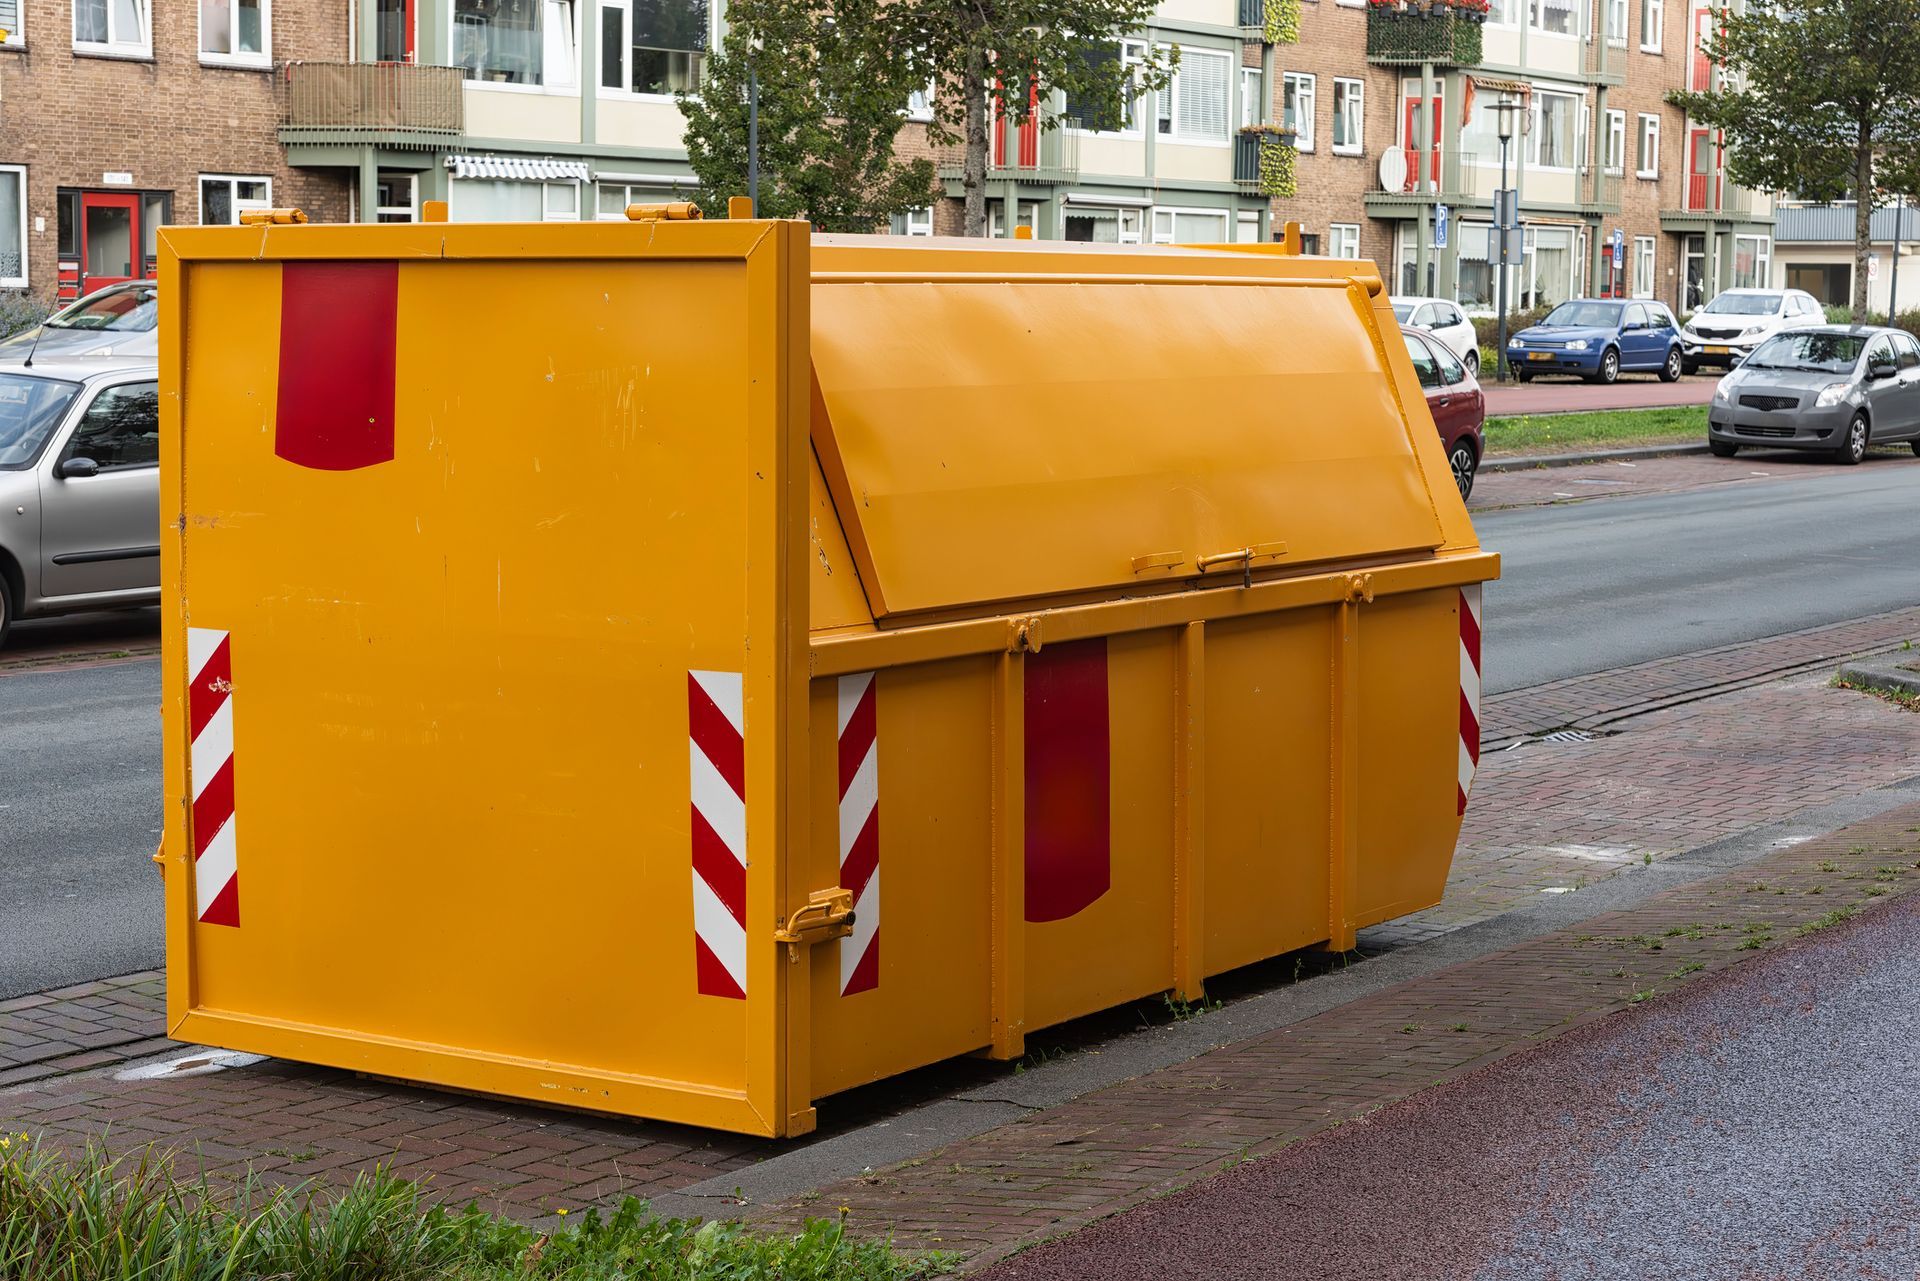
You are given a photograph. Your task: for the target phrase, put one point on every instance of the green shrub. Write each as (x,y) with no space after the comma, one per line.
(1486,329)
(21,311)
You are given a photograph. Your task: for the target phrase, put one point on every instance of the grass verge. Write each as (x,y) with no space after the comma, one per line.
(98,1218)
(1613,428)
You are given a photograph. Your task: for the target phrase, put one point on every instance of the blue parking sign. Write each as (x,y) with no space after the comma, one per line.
(1440,213)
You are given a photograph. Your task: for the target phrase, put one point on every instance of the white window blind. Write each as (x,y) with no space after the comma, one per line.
(1200,90)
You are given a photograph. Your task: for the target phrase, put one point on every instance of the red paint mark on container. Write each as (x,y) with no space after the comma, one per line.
(1069,780)
(338,323)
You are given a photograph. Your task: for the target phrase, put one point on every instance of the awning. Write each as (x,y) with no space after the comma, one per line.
(518,169)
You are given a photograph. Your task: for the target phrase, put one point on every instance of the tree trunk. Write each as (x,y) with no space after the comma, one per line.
(973,173)
(1862,219)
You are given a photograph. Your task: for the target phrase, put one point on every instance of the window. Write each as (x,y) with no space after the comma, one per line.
(1907,350)
(10,22)
(516,42)
(1452,372)
(30,409)
(506,200)
(1653,21)
(1092,116)
(1554,17)
(920,104)
(1423,362)
(1643,266)
(1246,227)
(1189,226)
(659,46)
(613,197)
(1636,317)
(1547,273)
(1752,261)
(1253,105)
(393,31)
(560,202)
(395,194)
(1349,116)
(996,217)
(13,226)
(1505,13)
(914,222)
(1103,225)
(116,28)
(224,198)
(1648,162)
(1616,21)
(120,429)
(1297,96)
(1194,107)
(1616,152)
(1553,130)
(236,31)
(1343,240)
(1309,242)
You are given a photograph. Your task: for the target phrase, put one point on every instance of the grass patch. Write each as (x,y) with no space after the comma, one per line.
(98,1218)
(1553,433)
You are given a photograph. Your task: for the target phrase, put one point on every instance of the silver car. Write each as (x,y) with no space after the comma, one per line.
(120,320)
(79,487)
(1837,388)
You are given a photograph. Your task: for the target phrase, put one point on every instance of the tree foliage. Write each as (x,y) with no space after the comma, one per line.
(1014,54)
(1820,98)
(832,92)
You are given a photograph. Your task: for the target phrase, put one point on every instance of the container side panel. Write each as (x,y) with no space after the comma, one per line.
(1268,761)
(834,597)
(1115,944)
(468,761)
(1409,752)
(1106,421)
(901,793)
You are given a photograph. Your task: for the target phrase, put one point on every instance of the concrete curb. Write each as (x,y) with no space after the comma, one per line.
(1528,462)
(1884,672)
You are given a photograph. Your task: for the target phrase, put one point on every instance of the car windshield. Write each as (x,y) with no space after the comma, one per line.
(1743,305)
(1595,315)
(1815,352)
(30,408)
(1403,312)
(126,310)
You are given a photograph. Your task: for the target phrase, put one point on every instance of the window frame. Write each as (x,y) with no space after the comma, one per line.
(1645,254)
(140,50)
(546,85)
(1337,239)
(1173,222)
(922,114)
(1417,348)
(1537,133)
(1536,7)
(233,196)
(262,61)
(1645,149)
(17,33)
(911,220)
(1356,94)
(1613,159)
(1609,8)
(1253,108)
(21,281)
(1175,132)
(1302,138)
(1653,20)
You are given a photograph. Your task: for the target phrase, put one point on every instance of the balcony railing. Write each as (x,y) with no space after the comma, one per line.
(1423,31)
(1443,172)
(1253,13)
(1600,190)
(1606,59)
(386,98)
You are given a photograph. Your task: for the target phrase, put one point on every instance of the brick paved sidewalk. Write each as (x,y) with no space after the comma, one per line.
(1059,1170)
(1607,478)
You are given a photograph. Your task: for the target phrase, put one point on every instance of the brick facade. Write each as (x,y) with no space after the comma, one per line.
(72,119)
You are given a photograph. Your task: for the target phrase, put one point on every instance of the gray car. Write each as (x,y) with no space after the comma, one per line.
(120,320)
(79,487)
(1835,388)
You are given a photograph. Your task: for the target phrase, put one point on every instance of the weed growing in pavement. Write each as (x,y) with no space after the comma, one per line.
(1459,1027)
(1754,942)
(1409,1028)
(1620,974)
(1638,997)
(1685,970)
(1834,917)
(1888,873)
(103,1218)
(1818,889)
(1899,698)
(1875,891)
(1828,865)
(1182,1009)
(1647,859)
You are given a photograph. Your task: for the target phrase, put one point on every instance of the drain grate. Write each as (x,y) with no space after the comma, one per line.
(1568,736)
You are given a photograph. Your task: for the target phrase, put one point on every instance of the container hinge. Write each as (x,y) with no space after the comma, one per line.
(1360,589)
(1023,636)
(827,915)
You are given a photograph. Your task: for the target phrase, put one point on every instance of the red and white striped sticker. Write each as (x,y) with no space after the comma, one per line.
(717,760)
(1469,689)
(216,865)
(860,831)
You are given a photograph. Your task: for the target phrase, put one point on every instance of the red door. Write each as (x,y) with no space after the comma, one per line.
(1702,68)
(395,31)
(110,243)
(1700,184)
(1027,148)
(1423,159)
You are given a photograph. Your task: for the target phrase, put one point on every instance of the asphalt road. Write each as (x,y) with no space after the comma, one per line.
(1591,586)
(1587,587)
(1757,1124)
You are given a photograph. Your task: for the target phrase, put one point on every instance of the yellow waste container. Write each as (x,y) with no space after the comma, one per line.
(687,669)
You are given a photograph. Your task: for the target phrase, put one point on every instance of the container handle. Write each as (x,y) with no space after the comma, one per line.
(826,915)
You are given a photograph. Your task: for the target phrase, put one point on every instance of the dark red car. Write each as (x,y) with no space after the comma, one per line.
(1454,399)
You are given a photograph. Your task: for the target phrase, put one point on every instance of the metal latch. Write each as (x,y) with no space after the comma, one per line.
(1243,557)
(827,915)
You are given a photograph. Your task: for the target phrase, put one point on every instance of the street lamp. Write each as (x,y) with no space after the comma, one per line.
(1504,113)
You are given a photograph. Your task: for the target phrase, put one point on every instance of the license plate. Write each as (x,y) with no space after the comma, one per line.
(1716,351)
(1539,355)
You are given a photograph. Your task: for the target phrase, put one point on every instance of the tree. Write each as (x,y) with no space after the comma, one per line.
(1012,54)
(1820,98)
(833,96)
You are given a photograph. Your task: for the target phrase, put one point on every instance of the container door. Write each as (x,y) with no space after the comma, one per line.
(109,239)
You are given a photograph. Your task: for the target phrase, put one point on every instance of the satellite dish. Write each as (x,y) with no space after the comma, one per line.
(1393,169)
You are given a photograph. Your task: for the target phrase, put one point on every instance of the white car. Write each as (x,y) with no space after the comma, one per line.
(1727,329)
(1445,321)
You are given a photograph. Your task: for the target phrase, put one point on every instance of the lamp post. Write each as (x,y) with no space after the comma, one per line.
(1893,285)
(1504,112)
(753,131)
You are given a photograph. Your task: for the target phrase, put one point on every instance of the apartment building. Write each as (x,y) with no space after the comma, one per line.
(1394,108)
(123,115)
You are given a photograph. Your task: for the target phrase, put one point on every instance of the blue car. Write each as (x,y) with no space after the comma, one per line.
(1599,339)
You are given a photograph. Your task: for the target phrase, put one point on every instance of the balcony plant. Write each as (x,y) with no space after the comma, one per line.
(1282,22)
(1426,30)
(1278,178)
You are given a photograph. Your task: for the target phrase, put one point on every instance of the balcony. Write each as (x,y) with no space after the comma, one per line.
(1419,31)
(1606,60)
(391,104)
(1438,175)
(1026,153)
(1711,201)
(1265,161)
(1600,191)
(1253,14)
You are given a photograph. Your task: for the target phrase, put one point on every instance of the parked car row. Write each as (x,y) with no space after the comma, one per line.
(1835,388)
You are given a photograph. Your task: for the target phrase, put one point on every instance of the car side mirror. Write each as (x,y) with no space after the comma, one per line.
(1880,368)
(75,467)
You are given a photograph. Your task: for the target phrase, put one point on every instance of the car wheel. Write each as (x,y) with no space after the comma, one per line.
(1670,372)
(1915,446)
(1689,367)
(1853,446)
(1523,375)
(1465,463)
(1472,361)
(1722,449)
(1609,368)
(6,608)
